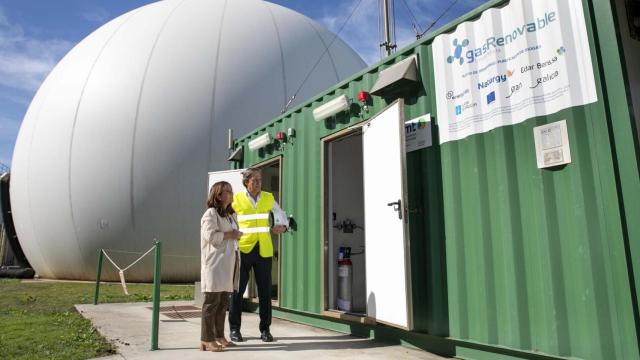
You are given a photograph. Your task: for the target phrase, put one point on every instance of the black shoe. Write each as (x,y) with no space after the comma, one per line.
(266,336)
(236,336)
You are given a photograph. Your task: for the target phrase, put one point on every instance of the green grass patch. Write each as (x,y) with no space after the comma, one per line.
(39,321)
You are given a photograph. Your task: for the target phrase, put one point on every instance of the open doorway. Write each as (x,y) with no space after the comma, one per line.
(367,275)
(345,270)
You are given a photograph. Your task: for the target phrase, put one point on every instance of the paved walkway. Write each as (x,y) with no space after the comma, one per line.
(128,326)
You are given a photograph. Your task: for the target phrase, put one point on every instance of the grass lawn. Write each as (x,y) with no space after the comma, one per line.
(39,321)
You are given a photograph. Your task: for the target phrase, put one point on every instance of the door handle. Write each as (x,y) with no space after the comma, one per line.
(397,206)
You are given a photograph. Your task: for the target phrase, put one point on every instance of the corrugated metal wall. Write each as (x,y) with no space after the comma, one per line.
(302,248)
(536,258)
(502,253)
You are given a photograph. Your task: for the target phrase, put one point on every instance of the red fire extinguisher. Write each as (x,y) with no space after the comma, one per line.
(345,279)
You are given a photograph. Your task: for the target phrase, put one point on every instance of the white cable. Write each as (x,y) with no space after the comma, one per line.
(121,271)
(108,258)
(124,284)
(140,258)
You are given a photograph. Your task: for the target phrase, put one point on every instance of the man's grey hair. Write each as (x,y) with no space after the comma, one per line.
(248,174)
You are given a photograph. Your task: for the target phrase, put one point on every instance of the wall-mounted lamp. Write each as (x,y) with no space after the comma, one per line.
(260,142)
(339,104)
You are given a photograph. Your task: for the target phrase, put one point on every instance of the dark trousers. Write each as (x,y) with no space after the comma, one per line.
(213,309)
(262,271)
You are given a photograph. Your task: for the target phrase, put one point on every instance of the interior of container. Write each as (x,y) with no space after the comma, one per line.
(345,240)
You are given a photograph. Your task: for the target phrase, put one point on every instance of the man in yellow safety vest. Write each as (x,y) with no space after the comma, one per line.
(253,207)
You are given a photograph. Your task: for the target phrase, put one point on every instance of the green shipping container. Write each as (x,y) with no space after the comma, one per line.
(502,259)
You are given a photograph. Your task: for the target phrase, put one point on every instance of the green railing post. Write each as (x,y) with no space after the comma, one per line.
(156,297)
(98,272)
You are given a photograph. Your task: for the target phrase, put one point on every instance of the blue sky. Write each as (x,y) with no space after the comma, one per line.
(36,34)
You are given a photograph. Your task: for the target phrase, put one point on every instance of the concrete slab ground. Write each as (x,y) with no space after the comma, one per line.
(128,327)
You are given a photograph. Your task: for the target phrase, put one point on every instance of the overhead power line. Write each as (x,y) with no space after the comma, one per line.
(414,21)
(418,36)
(320,58)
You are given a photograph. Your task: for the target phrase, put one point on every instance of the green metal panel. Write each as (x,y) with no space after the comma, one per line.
(626,150)
(506,258)
(426,220)
(536,258)
(302,250)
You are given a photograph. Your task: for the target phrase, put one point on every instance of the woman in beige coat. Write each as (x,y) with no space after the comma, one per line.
(220,261)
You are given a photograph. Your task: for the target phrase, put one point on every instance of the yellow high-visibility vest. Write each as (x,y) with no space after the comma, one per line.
(254,222)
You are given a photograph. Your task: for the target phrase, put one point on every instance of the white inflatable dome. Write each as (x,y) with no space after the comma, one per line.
(115,147)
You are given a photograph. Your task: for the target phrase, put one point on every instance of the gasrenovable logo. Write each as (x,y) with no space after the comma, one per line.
(495,42)
(457,51)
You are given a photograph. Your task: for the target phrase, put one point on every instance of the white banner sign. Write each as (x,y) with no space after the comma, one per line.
(527,59)
(417,133)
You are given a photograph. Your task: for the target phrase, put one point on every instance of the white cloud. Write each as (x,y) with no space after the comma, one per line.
(3,17)
(8,132)
(25,61)
(21,98)
(361,31)
(98,15)
(8,125)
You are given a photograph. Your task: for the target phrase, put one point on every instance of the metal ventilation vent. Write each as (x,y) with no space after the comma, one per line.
(397,77)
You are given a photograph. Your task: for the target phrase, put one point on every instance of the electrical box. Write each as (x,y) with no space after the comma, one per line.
(552,144)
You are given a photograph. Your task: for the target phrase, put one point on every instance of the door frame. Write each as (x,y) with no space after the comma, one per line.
(276,159)
(325,229)
(324,237)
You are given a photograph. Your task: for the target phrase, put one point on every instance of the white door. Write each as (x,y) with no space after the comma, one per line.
(233,177)
(386,246)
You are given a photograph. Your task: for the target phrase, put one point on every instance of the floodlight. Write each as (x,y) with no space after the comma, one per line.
(341,103)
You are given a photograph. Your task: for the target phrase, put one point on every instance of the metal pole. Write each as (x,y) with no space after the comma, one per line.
(98,272)
(388,46)
(156,297)
(387,31)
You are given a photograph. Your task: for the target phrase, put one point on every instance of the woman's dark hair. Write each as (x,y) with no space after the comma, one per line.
(214,202)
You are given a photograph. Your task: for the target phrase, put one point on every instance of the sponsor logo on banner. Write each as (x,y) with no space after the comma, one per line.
(543,79)
(495,80)
(491,97)
(452,96)
(465,106)
(526,59)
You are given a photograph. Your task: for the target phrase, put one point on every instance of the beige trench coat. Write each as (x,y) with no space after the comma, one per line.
(219,259)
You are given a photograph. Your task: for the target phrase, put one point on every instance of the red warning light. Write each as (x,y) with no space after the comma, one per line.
(363,96)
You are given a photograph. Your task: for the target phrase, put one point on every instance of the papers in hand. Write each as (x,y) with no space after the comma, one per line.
(280,217)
